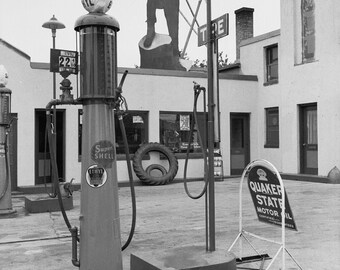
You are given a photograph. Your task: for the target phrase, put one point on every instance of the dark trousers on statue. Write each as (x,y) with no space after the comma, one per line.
(171,12)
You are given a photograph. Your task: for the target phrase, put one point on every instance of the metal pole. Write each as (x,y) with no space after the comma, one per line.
(211,186)
(54,31)
(216,94)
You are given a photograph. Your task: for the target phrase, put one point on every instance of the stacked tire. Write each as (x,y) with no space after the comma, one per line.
(167,176)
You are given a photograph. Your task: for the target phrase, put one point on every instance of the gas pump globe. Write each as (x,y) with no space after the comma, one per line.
(3,76)
(5,97)
(100,6)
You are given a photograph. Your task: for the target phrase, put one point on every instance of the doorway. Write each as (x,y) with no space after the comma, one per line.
(239,142)
(308,139)
(43,168)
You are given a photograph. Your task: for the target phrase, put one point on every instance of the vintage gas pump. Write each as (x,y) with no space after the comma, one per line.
(5,123)
(100,243)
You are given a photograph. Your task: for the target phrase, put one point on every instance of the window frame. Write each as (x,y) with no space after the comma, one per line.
(308,39)
(195,155)
(269,142)
(146,129)
(270,62)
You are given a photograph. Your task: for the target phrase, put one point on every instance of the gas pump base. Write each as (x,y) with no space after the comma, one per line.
(44,204)
(5,212)
(185,258)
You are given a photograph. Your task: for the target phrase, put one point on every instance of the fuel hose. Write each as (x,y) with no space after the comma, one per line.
(51,139)
(197,91)
(132,187)
(52,194)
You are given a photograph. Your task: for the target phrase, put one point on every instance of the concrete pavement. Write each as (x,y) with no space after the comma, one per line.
(167,218)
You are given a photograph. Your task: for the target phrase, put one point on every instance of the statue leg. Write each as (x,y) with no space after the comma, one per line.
(151,7)
(171,11)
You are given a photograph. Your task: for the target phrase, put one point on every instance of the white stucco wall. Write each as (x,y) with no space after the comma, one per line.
(172,93)
(146,90)
(317,82)
(253,60)
(31,89)
(155,90)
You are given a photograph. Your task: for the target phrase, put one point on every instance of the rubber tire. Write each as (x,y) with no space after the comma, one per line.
(158,167)
(143,175)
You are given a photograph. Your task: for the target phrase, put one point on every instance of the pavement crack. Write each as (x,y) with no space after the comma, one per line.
(54,225)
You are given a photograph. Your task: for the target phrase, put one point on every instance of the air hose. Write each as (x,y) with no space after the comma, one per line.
(197,91)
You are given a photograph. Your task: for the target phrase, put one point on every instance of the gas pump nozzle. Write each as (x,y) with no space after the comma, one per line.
(198,88)
(119,88)
(119,99)
(66,188)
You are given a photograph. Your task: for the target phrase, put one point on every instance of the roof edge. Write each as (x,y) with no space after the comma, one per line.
(260,37)
(8,45)
(163,72)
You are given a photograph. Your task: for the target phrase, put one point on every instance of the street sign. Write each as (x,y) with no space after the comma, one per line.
(219,28)
(64,61)
(266,192)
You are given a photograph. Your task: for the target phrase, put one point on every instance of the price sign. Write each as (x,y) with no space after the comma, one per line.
(64,61)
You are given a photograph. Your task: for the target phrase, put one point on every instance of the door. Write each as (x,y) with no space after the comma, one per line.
(239,142)
(43,168)
(308,139)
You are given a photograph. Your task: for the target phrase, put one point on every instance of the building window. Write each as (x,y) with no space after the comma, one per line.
(272,64)
(136,128)
(272,128)
(175,131)
(308,30)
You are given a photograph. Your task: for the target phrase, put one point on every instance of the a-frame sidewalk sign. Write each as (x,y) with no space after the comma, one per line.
(271,205)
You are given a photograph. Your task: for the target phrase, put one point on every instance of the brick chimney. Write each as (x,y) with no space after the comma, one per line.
(244,26)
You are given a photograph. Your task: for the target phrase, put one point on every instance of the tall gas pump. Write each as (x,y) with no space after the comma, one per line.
(100,243)
(5,123)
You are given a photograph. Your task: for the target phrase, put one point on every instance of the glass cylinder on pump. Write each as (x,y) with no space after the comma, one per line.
(98,70)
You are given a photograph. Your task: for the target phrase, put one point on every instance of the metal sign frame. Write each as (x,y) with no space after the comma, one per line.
(64,61)
(215,27)
(243,233)
(265,191)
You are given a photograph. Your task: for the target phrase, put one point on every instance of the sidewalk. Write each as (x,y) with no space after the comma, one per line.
(167,218)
